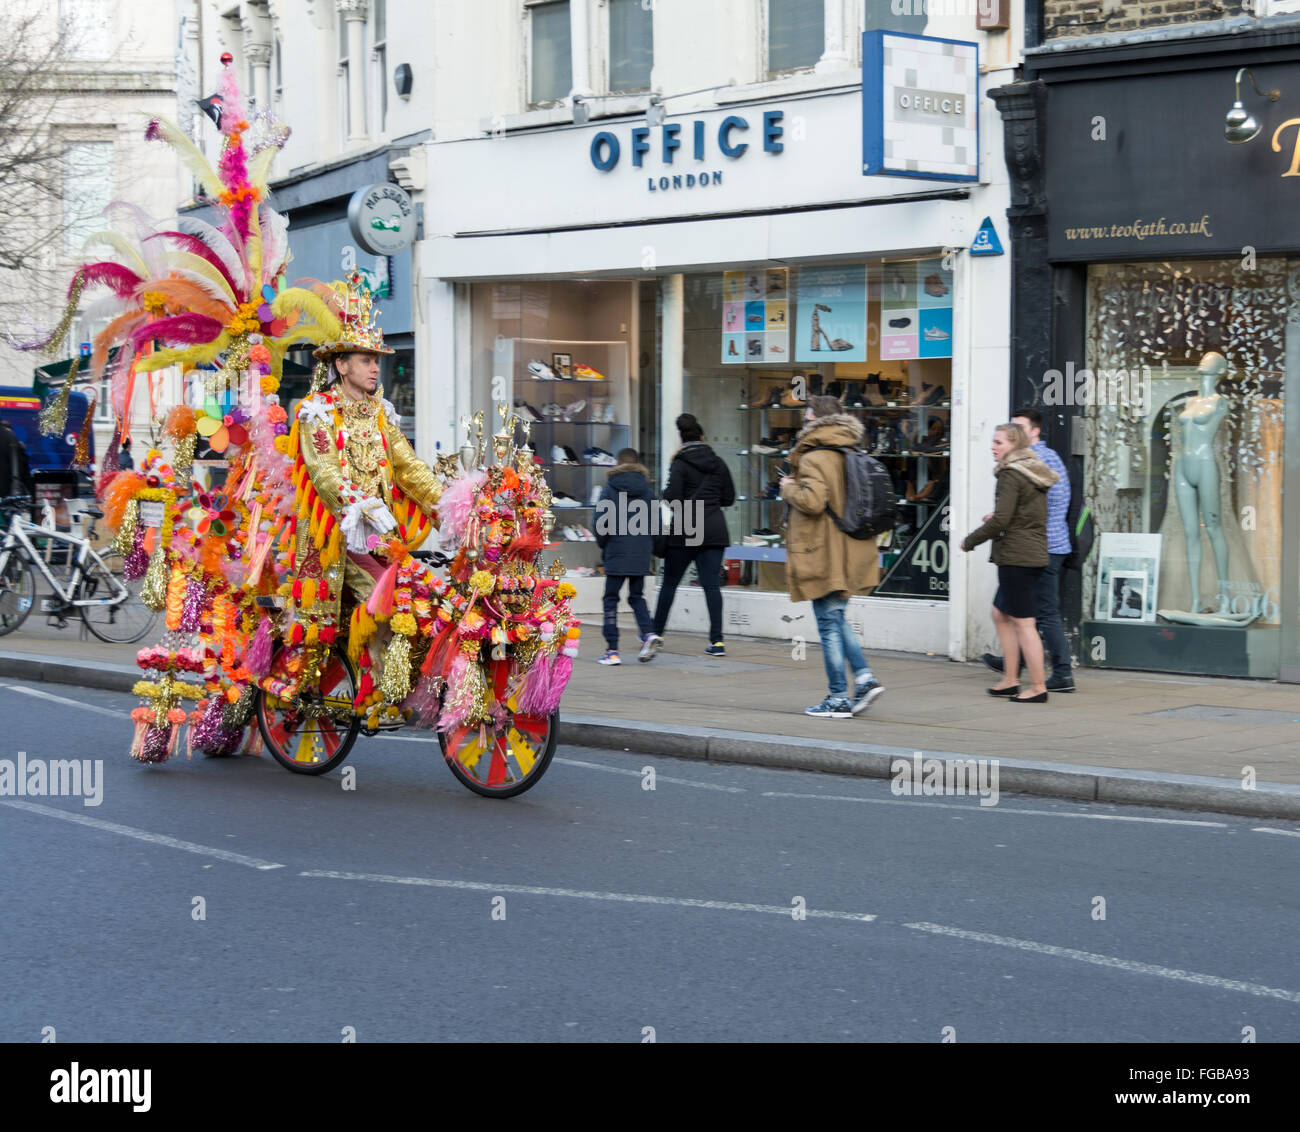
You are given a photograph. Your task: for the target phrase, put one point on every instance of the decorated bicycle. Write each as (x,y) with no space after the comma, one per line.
(300,611)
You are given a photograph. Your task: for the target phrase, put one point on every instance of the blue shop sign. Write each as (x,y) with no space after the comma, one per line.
(728,140)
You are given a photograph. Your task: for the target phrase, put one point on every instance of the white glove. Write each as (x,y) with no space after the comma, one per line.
(367,516)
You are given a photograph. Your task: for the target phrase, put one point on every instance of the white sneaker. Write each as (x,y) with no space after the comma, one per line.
(610,657)
(541,371)
(559,500)
(574,409)
(557,455)
(651,645)
(936,334)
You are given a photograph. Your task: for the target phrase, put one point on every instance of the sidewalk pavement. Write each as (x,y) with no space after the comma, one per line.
(1122,737)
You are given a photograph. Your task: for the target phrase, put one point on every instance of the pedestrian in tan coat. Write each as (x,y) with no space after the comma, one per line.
(823,564)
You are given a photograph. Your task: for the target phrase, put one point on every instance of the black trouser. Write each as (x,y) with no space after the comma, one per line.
(708,564)
(635,598)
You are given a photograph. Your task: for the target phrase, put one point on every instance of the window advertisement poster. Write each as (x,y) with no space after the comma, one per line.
(915,310)
(1128,569)
(831,314)
(755,316)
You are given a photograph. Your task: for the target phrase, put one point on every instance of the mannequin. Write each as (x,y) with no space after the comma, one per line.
(1196,476)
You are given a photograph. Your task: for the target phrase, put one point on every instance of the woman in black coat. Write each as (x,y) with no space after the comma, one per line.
(699,487)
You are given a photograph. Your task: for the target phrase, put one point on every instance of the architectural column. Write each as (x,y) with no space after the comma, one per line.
(672,290)
(259,59)
(580,46)
(835,56)
(354,13)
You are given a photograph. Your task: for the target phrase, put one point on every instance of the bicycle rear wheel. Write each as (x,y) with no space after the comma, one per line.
(122,622)
(17,592)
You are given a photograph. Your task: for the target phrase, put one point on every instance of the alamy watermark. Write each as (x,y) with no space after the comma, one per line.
(624,516)
(52,778)
(985,9)
(1113,388)
(945,777)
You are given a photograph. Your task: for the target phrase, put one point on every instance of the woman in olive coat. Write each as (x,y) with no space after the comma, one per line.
(1018,528)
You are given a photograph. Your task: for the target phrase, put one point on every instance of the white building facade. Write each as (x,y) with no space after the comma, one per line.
(675,205)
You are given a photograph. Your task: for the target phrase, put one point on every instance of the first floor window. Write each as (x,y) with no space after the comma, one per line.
(87,190)
(551,65)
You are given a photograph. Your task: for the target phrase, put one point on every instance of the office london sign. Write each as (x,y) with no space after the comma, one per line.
(920,107)
(381,218)
(656,149)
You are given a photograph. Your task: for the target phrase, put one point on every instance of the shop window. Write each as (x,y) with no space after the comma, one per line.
(1182,397)
(87,26)
(878,336)
(631,45)
(550,52)
(796,34)
(87,190)
(379,57)
(906,16)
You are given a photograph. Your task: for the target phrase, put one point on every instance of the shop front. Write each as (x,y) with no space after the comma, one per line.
(1170,238)
(730,263)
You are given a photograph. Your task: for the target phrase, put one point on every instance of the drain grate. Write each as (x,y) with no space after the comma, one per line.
(1258,717)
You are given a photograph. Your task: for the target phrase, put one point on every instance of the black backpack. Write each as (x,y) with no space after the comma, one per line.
(1082,531)
(870,508)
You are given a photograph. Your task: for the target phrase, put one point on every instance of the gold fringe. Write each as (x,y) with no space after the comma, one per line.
(395,684)
(153,590)
(183,461)
(54,417)
(124,540)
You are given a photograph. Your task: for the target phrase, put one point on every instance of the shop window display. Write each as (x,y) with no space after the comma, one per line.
(878,335)
(1183,399)
(560,353)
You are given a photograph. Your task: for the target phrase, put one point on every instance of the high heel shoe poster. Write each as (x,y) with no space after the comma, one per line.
(830,314)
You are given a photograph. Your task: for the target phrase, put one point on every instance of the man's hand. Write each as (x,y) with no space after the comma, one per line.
(785,480)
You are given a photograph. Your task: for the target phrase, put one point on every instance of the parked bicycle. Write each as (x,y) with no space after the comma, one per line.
(93,585)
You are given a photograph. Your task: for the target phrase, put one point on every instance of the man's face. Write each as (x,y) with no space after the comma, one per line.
(1030,430)
(359,373)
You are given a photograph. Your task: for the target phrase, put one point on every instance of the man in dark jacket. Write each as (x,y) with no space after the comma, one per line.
(624,518)
(699,487)
(15,473)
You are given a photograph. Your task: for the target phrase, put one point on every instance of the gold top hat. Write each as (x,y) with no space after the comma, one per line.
(352,303)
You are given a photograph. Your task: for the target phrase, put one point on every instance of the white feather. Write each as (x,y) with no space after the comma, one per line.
(217,241)
(212,284)
(119,244)
(275,242)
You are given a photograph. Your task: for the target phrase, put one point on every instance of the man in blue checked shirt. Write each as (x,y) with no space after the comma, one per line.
(1050,625)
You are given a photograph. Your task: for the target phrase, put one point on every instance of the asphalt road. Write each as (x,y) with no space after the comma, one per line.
(592,909)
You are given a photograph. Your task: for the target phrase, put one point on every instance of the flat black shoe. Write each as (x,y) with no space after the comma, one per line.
(1041,698)
(1012,691)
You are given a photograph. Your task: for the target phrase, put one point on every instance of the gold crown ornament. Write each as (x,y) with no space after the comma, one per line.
(353,304)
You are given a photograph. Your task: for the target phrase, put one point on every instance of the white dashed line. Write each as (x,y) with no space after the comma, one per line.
(579,894)
(658,777)
(974,806)
(144,835)
(43,695)
(1283,832)
(1129,965)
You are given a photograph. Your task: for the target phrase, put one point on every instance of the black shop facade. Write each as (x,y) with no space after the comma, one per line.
(1155,230)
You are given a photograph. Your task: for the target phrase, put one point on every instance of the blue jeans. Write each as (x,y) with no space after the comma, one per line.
(635,598)
(839,643)
(1050,625)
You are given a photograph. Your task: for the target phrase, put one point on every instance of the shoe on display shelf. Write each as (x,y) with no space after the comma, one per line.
(541,371)
(526,412)
(574,408)
(586,373)
(936,334)
(571,456)
(934,285)
(552,409)
(560,455)
(561,500)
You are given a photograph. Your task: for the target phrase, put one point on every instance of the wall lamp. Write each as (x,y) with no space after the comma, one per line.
(581,110)
(1241,125)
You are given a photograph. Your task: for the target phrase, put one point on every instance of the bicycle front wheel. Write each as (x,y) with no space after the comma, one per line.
(118,623)
(17,592)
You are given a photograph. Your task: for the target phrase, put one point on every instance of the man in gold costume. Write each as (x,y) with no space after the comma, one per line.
(359,484)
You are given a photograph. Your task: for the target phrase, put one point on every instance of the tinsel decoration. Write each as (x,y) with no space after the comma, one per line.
(153,590)
(153,744)
(468,696)
(395,684)
(124,541)
(81,454)
(54,416)
(238,714)
(192,607)
(211,735)
(183,459)
(136,562)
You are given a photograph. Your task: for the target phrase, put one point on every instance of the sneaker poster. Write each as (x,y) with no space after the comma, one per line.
(830,314)
(755,316)
(915,310)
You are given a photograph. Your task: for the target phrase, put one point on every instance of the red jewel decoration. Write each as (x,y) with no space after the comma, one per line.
(226,58)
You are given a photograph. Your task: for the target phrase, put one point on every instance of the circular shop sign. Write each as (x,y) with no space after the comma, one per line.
(382,218)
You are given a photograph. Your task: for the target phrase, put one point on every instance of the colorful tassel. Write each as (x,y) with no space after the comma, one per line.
(258,658)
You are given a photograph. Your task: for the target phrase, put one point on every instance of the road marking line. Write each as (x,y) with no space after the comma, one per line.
(144,835)
(658,777)
(43,695)
(618,897)
(1129,965)
(972,806)
(1283,832)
